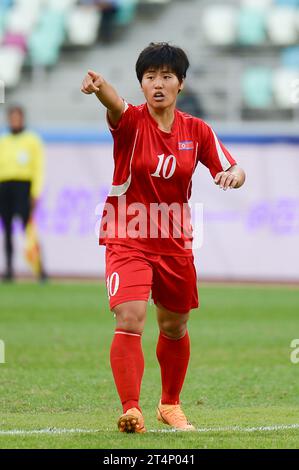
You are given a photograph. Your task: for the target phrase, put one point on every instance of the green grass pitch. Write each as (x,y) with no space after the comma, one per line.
(57,374)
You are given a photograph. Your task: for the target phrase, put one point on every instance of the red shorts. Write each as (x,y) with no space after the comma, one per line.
(132,274)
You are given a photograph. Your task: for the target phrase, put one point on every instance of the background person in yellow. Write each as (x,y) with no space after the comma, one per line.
(21,181)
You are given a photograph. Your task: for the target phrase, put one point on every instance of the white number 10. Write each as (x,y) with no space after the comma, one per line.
(164,163)
(112,284)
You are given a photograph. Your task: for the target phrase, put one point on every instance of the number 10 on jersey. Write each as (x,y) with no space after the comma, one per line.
(163,165)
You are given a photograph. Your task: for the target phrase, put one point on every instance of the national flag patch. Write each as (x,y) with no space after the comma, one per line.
(186,145)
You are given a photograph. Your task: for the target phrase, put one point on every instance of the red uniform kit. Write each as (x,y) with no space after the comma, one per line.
(146,223)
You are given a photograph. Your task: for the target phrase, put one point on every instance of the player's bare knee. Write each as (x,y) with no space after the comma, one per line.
(130,320)
(174,330)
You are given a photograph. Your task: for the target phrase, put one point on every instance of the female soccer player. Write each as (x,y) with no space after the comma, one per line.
(146,225)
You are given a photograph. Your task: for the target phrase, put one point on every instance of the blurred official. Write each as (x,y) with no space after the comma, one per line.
(21,181)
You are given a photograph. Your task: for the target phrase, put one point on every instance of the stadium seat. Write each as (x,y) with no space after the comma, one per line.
(52,22)
(287,3)
(257,4)
(281,26)
(6,4)
(126,12)
(2,22)
(251,27)
(30,3)
(11,61)
(82,26)
(43,50)
(290,57)
(21,19)
(283,87)
(155,2)
(45,42)
(220,25)
(16,40)
(257,87)
(60,5)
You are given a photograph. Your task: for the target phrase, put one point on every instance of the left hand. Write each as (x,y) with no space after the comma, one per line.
(226,180)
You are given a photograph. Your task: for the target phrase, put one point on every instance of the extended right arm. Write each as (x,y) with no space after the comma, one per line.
(95,83)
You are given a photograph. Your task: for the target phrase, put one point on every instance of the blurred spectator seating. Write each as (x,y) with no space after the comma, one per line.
(281,26)
(264,88)
(126,12)
(283,81)
(34,31)
(287,3)
(251,26)
(82,26)
(271,29)
(252,23)
(23,16)
(257,87)
(11,61)
(289,57)
(261,4)
(220,24)
(47,39)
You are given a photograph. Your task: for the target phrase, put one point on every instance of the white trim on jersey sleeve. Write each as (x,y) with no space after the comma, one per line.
(107,119)
(193,169)
(225,163)
(120,189)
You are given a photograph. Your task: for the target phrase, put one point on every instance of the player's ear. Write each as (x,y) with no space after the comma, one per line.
(181,86)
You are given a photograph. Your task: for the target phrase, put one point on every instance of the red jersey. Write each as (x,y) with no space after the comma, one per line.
(147,207)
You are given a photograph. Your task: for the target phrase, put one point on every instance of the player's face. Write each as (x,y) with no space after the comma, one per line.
(16,120)
(160,88)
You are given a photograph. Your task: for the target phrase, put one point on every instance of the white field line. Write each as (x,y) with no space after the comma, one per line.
(51,431)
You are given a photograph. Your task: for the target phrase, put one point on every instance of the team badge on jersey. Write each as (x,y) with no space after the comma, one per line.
(186,145)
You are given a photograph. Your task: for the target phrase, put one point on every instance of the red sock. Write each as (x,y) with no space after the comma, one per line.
(173,356)
(127,363)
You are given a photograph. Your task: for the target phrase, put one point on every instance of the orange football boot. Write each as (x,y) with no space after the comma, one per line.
(174,416)
(131,421)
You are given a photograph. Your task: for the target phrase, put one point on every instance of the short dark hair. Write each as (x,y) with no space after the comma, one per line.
(162,54)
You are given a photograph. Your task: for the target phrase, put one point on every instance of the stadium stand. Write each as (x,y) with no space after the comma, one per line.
(11,60)
(82,26)
(220,24)
(251,26)
(266,44)
(255,40)
(257,87)
(281,26)
(290,57)
(42,27)
(282,80)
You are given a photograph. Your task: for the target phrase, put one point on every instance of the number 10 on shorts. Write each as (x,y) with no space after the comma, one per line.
(112,284)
